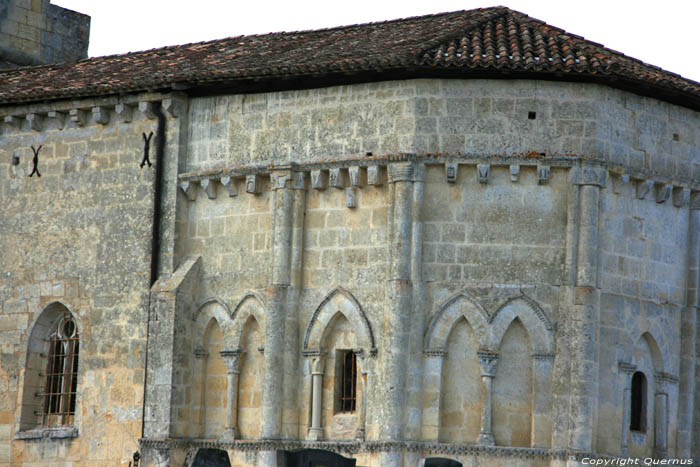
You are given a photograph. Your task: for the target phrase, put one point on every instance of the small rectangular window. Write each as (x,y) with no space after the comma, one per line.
(347,394)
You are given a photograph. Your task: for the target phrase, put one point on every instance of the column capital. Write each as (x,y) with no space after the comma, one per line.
(626,368)
(282,179)
(200,353)
(316,360)
(488,362)
(406,172)
(664,381)
(596,176)
(232,359)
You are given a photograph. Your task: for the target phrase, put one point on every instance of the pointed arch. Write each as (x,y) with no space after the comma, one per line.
(211,308)
(456,307)
(250,305)
(533,318)
(51,345)
(656,355)
(339,301)
(207,301)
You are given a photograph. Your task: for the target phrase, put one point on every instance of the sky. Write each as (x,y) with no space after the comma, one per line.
(662,33)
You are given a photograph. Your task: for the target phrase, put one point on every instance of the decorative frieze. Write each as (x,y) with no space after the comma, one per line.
(514,172)
(228,183)
(35,121)
(451,172)
(663,192)
(146,108)
(644,188)
(681,196)
(172,107)
(58,117)
(100,115)
(543,172)
(209,188)
(354,175)
(318,179)
(335,178)
(299,181)
(123,112)
(77,116)
(620,183)
(374,175)
(252,184)
(11,120)
(694,202)
(189,190)
(482,171)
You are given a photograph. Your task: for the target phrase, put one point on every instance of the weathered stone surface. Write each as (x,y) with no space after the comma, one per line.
(563,275)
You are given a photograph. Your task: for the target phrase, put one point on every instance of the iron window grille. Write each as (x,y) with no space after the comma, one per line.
(61,384)
(348,396)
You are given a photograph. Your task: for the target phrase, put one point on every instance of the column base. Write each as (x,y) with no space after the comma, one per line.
(485,439)
(230,433)
(315,434)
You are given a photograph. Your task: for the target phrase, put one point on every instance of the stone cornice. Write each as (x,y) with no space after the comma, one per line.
(681,190)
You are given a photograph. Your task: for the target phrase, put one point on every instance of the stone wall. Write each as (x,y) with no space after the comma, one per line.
(35,32)
(497,276)
(80,236)
(478,117)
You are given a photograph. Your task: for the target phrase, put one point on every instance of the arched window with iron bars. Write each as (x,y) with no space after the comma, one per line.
(61,381)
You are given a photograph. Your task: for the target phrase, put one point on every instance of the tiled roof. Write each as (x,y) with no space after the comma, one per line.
(489,42)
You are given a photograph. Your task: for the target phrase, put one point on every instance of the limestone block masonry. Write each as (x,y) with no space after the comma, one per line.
(35,32)
(391,271)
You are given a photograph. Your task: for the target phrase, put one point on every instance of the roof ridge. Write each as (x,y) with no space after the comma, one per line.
(432,45)
(298,31)
(484,42)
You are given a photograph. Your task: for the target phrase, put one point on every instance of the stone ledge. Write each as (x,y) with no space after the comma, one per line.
(48,433)
(355,447)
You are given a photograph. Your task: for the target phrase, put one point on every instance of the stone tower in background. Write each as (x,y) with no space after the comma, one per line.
(34,32)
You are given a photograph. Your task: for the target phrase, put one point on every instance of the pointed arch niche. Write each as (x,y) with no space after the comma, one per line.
(464,344)
(453,394)
(338,332)
(521,394)
(226,395)
(248,340)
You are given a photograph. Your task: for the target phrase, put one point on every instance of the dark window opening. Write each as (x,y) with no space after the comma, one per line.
(61,374)
(532,115)
(638,409)
(348,385)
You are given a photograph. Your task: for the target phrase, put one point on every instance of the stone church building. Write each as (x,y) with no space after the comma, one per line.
(469,238)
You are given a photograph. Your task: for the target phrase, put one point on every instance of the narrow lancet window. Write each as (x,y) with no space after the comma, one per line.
(638,409)
(348,397)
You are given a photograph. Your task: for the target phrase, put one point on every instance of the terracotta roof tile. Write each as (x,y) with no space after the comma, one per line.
(476,43)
